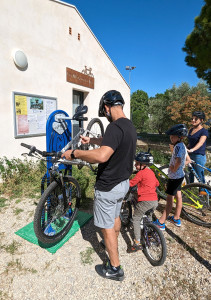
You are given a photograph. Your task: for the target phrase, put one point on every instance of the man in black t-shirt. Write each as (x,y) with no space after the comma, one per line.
(115,157)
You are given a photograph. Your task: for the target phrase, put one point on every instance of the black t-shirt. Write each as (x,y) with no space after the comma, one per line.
(121,136)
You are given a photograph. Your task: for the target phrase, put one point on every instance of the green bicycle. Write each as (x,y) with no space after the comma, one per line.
(196,207)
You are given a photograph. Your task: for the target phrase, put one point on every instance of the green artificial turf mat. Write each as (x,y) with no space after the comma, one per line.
(27,232)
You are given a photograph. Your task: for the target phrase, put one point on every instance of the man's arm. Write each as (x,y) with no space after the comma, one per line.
(99,155)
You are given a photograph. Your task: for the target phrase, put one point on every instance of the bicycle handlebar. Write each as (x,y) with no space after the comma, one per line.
(33,149)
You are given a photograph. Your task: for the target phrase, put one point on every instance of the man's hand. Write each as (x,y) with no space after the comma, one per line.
(67,155)
(85,139)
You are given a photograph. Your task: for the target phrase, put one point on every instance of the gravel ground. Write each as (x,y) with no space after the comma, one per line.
(30,272)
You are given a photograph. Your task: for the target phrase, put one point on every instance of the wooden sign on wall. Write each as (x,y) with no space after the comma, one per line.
(79,78)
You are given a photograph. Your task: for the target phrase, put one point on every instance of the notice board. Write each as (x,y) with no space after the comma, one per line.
(31,113)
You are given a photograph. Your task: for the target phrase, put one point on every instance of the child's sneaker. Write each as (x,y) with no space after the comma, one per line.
(174,221)
(107,271)
(159,225)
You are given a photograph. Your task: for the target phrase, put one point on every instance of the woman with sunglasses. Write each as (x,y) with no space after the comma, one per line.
(197,137)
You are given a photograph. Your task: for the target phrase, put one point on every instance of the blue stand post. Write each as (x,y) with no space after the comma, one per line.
(56,138)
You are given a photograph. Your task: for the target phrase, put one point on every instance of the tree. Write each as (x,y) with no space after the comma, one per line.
(181,111)
(158,114)
(198,44)
(139,109)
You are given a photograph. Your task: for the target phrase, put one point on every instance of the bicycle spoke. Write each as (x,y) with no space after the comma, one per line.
(197,204)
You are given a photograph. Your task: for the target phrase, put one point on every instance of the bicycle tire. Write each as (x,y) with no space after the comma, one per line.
(125,213)
(95,126)
(161,190)
(200,216)
(51,221)
(154,244)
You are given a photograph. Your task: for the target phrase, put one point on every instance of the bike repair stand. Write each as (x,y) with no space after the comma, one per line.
(57,136)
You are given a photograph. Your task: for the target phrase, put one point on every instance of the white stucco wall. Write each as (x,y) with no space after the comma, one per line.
(41,29)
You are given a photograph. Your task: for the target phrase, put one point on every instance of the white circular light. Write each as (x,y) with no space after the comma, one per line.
(20,59)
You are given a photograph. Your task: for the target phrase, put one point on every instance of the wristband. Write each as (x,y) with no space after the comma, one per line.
(73,155)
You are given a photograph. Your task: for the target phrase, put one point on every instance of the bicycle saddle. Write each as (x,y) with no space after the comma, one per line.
(79,112)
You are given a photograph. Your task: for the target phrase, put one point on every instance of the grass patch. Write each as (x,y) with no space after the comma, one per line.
(12,248)
(17,211)
(3,202)
(16,265)
(86,256)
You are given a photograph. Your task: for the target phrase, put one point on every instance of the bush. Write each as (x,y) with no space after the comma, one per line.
(21,177)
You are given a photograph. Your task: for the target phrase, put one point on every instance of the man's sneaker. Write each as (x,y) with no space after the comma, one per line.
(159,225)
(106,271)
(174,221)
(134,248)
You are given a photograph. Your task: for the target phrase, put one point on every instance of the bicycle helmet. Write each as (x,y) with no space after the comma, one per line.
(144,158)
(179,130)
(199,114)
(110,98)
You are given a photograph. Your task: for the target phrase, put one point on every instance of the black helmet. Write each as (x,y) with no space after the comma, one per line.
(144,158)
(110,98)
(199,114)
(179,130)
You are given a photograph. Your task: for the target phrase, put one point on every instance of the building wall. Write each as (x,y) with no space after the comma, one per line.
(40,28)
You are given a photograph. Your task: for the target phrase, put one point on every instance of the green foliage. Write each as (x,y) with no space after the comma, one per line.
(139,109)
(160,157)
(161,118)
(86,179)
(21,177)
(198,44)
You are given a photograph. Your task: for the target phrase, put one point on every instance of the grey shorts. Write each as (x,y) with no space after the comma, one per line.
(107,205)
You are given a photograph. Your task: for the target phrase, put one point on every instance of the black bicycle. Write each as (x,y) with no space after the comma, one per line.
(59,203)
(153,241)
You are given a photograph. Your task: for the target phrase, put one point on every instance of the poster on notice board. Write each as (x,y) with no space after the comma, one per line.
(31,113)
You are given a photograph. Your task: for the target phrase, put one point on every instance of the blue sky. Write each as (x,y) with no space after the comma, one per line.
(148,34)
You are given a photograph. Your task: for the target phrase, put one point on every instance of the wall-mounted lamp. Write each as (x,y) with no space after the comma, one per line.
(20,59)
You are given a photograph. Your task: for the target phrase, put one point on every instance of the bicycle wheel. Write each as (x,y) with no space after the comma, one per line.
(161,190)
(52,220)
(154,244)
(196,206)
(125,213)
(96,129)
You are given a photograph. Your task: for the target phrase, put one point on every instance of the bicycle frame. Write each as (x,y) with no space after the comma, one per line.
(194,172)
(196,203)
